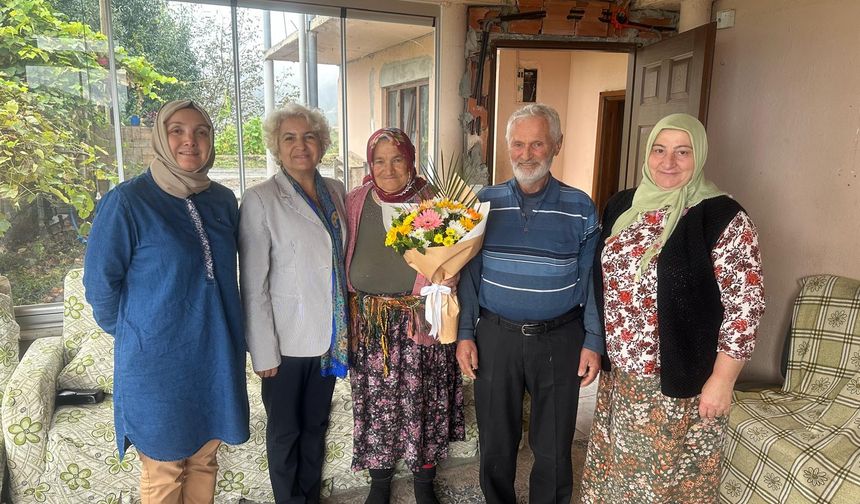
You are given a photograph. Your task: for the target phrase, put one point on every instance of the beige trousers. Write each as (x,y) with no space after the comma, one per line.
(186,481)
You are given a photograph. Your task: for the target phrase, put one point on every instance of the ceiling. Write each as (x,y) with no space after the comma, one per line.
(364,37)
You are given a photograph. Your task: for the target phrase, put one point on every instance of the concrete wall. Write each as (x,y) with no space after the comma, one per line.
(591,72)
(412,60)
(452,47)
(784,131)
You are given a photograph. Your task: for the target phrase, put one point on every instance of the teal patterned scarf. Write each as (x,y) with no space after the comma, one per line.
(335,361)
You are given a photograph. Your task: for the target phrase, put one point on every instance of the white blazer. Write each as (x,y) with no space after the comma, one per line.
(285,272)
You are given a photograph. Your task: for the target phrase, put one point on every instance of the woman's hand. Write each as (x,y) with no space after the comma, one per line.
(716,398)
(268,373)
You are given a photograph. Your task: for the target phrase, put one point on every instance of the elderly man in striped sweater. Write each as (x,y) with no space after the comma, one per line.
(521,324)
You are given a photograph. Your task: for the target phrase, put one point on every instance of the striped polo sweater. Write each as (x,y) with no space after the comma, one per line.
(530,269)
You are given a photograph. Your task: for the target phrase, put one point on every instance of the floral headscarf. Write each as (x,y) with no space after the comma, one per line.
(407,150)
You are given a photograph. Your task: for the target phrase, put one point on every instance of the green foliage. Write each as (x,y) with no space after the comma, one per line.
(52,79)
(134,24)
(39,159)
(226,141)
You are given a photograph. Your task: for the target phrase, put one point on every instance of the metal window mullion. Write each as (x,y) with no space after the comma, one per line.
(343,98)
(234,20)
(438,82)
(114,91)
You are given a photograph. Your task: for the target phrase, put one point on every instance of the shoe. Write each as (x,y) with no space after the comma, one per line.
(380,486)
(423,481)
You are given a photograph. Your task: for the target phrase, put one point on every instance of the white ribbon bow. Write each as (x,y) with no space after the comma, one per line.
(433,306)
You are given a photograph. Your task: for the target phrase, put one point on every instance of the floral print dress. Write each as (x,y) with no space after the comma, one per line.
(646,447)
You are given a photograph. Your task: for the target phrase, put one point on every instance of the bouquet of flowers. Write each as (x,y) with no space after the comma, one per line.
(434,223)
(437,238)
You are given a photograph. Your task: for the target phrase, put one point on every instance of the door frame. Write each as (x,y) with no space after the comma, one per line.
(524,44)
(604,98)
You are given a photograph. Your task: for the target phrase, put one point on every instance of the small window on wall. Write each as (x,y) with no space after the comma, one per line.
(408,108)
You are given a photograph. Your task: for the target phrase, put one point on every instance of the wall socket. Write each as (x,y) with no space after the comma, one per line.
(725,18)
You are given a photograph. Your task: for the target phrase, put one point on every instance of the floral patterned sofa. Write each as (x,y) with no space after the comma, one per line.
(801,444)
(9,334)
(67,454)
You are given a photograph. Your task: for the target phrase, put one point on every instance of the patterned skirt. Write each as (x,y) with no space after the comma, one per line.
(407,398)
(649,448)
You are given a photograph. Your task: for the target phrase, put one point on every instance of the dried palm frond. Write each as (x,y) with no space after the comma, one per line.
(454,180)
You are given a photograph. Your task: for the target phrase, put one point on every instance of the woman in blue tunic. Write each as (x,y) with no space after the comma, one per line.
(160,273)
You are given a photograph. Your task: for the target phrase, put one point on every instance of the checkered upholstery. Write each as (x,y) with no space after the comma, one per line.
(801,444)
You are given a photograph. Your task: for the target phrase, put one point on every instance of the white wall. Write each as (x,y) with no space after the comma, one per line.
(591,72)
(452,47)
(553,74)
(570,82)
(784,132)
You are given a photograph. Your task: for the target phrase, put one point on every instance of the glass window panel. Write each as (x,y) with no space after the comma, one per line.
(424,127)
(385,62)
(58,137)
(393,101)
(62,90)
(407,113)
(320,87)
(194,47)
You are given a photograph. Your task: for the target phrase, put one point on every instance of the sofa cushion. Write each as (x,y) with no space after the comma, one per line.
(92,365)
(87,350)
(825,336)
(9,335)
(78,319)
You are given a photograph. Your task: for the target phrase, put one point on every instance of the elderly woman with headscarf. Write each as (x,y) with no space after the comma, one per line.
(406,387)
(679,287)
(160,273)
(291,260)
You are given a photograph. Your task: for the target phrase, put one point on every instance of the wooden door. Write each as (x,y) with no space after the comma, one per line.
(607,158)
(670,76)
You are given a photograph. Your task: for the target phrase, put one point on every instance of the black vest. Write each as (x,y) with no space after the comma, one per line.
(689,309)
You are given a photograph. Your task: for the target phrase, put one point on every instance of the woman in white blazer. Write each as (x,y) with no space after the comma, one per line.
(292,276)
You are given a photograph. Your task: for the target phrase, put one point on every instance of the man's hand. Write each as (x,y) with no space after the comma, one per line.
(589,366)
(268,373)
(467,357)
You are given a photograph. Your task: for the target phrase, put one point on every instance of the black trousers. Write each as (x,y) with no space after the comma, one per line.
(297,402)
(546,366)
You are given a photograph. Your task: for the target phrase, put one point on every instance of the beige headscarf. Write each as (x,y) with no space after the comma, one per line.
(165,170)
(649,196)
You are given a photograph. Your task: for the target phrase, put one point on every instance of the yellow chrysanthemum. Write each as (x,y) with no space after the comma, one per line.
(467,223)
(404,229)
(437,238)
(450,232)
(390,237)
(409,218)
(448,241)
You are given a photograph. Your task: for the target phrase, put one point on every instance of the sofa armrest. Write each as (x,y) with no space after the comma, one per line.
(27,411)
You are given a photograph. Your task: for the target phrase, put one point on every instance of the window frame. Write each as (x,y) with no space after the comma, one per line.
(420,147)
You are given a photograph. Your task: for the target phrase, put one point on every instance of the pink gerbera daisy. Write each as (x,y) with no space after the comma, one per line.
(428,219)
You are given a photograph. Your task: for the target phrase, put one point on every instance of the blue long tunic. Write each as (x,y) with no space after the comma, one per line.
(179,360)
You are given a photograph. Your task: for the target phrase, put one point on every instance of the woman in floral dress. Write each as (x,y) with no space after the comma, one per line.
(679,288)
(406,387)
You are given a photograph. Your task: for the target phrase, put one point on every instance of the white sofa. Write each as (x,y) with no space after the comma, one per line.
(67,454)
